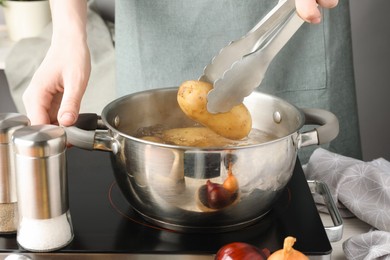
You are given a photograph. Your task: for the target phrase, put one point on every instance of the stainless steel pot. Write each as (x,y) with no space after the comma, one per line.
(166,183)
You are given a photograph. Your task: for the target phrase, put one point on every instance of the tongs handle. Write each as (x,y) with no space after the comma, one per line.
(240,67)
(237,49)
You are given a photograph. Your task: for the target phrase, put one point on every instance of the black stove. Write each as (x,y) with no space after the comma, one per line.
(105,226)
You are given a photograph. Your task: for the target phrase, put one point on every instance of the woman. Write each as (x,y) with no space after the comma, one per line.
(163,43)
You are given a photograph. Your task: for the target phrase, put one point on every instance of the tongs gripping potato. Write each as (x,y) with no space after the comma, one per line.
(239,68)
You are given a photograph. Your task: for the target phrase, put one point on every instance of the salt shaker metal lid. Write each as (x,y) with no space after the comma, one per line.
(39,141)
(9,122)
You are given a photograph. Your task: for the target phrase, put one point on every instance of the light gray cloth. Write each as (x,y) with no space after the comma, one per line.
(360,189)
(369,246)
(27,55)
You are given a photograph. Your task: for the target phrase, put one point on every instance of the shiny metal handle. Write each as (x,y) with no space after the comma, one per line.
(335,232)
(84,134)
(327,131)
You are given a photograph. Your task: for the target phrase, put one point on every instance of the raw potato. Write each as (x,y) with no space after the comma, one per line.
(195,136)
(192,98)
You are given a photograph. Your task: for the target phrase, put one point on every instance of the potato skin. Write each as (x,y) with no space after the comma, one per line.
(196,136)
(192,98)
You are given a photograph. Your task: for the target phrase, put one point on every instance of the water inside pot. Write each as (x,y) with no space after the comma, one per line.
(199,136)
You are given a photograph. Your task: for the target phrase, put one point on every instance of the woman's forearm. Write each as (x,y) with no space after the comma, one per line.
(69,19)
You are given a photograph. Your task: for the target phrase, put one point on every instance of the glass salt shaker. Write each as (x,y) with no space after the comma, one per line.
(9,122)
(41,179)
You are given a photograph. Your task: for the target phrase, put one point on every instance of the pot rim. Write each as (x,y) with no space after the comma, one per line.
(114,130)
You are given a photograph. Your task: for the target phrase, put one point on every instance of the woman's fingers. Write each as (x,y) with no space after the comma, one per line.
(327,3)
(37,103)
(309,11)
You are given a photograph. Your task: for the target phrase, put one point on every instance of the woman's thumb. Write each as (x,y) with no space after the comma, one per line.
(70,106)
(67,118)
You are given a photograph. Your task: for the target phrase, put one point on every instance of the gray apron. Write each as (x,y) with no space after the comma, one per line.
(163,43)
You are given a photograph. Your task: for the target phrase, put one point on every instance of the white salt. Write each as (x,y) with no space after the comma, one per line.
(45,234)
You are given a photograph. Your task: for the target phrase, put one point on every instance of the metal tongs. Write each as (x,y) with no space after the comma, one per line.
(239,67)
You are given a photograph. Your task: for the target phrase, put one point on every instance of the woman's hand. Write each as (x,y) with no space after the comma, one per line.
(55,92)
(309,11)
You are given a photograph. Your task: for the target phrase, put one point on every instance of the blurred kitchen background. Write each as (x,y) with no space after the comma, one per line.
(371,41)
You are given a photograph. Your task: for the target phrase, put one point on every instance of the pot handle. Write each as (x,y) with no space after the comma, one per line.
(335,232)
(328,127)
(83,133)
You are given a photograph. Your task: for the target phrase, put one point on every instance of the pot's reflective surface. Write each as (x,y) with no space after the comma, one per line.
(168,184)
